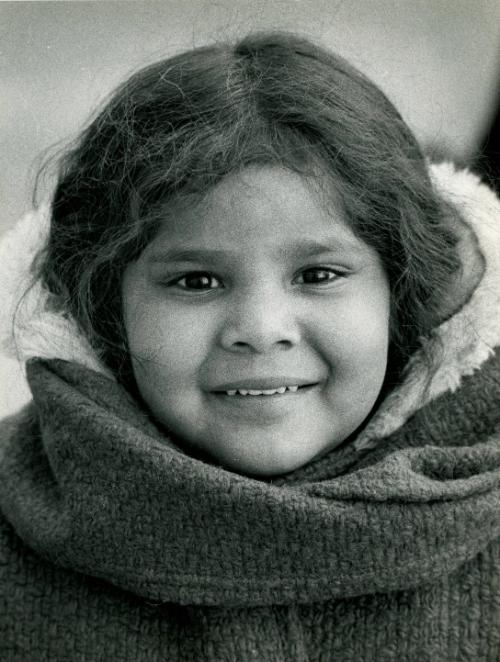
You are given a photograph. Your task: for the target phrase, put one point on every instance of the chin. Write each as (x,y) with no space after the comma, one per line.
(265,464)
(264,454)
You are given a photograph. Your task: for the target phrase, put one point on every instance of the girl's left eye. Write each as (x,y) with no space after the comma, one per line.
(318,276)
(198,280)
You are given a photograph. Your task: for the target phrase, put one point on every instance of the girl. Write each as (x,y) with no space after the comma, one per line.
(261,338)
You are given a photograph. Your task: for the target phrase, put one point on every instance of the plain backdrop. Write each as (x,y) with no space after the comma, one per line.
(438,60)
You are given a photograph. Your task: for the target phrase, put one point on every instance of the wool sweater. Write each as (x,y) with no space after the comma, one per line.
(116,543)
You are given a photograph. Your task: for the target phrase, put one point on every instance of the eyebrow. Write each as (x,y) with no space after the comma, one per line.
(189,255)
(304,249)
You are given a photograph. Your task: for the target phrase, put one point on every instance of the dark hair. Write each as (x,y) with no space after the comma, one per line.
(178,126)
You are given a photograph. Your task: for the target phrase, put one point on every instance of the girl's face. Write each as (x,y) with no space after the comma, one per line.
(258,323)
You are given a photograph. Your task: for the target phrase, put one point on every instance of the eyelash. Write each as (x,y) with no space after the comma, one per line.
(336,273)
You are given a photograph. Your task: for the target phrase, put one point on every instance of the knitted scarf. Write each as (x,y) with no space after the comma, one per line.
(92,485)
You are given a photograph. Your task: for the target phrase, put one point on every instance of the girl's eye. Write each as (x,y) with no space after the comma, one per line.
(198,280)
(318,276)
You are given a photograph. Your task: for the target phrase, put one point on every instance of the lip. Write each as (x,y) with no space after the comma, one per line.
(262,410)
(263,383)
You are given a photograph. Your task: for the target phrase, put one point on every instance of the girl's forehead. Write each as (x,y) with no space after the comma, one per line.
(260,206)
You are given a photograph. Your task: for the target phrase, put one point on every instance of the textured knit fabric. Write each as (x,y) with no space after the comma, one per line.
(396,559)
(116,544)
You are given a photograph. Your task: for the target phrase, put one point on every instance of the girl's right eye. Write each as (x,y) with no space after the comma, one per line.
(197,281)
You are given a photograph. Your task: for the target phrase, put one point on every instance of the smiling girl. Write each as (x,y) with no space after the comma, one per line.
(260,332)
(277,326)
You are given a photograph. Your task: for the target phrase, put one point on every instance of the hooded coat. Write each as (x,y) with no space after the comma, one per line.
(115,544)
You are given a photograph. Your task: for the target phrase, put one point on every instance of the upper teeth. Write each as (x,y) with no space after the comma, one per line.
(267,391)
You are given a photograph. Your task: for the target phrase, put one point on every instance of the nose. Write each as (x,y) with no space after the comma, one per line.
(260,321)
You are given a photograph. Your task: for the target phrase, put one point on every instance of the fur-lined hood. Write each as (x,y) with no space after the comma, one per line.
(29,327)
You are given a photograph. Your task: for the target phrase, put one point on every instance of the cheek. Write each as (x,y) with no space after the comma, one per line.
(360,325)
(163,344)
(355,338)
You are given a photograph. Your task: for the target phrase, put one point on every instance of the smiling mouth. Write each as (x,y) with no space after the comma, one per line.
(281,390)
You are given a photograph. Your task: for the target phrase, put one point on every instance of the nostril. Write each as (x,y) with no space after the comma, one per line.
(240,344)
